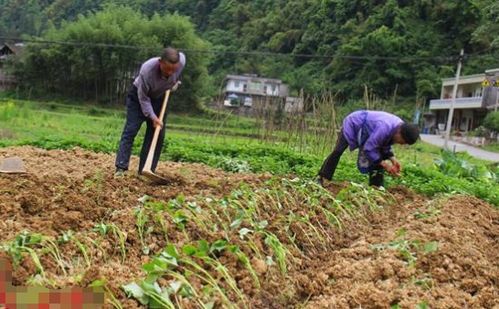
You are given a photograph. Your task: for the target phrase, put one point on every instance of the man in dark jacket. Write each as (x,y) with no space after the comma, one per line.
(143,102)
(373,133)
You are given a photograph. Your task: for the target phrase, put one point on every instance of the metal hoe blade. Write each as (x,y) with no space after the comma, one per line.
(12,165)
(155,178)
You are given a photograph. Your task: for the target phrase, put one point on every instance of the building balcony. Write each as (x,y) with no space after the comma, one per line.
(461,103)
(254,92)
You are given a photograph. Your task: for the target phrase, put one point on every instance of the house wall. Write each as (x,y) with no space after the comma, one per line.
(259,87)
(464,120)
(490,97)
(6,81)
(251,95)
(271,89)
(293,105)
(236,85)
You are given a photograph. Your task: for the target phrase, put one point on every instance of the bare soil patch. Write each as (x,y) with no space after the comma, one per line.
(363,265)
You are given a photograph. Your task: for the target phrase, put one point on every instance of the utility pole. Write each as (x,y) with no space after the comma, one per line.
(453,102)
(497,92)
(497,100)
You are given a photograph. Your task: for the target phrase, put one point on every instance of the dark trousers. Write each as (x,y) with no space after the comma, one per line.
(376,173)
(134,120)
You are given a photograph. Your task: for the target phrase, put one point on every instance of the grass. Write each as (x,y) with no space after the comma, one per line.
(494,147)
(223,141)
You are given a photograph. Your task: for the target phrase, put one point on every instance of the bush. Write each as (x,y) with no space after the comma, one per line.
(481,131)
(89,71)
(491,121)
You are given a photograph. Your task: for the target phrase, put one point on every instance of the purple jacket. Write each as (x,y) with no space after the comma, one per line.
(372,131)
(151,84)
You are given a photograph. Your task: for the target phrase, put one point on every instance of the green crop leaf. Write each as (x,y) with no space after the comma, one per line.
(209,305)
(262,224)
(236,223)
(175,286)
(243,232)
(431,246)
(99,283)
(422,305)
(203,248)
(135,291)
(189,250)
(218,245)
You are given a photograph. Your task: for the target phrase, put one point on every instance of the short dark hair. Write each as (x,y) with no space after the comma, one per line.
(409,132)
(170,55)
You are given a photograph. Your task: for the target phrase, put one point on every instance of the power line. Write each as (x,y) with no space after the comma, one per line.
(246,53)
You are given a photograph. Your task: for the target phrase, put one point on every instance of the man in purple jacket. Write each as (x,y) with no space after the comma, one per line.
(143,102)
(373,133)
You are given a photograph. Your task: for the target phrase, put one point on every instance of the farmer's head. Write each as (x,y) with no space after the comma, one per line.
(169,61)
(406,134)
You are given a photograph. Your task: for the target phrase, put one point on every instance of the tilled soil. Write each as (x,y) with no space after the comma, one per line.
(442,252)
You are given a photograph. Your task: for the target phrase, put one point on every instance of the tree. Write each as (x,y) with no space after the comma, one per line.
(103,72)
(491,121)
(384,45)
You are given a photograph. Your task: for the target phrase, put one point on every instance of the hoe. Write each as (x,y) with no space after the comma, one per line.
(146,171)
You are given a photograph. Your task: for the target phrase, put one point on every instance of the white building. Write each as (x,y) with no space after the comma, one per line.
(242,90)
(249,93)
(476,96)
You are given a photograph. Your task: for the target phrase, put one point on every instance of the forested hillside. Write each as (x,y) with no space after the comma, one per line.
(338,45)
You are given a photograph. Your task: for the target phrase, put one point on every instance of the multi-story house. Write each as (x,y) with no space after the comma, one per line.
(476,96)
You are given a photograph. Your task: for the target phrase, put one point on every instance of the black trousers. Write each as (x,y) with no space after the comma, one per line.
(134,120)
(376,173)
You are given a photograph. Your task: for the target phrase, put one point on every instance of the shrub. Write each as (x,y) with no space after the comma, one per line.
(491,121)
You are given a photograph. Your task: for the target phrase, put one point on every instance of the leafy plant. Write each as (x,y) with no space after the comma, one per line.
(119,235)
(110,297)
(453,165)
(233,165)
(279,251)
(408,249)
(141,220)
(491,121)
(25,242)
(179,265)
(69,236)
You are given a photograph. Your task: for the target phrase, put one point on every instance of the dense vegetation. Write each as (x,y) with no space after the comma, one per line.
(237,147)
(396,48)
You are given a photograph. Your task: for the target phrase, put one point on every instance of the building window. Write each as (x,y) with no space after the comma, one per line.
(255,86)
(245,87)
(265,89)
(236,84)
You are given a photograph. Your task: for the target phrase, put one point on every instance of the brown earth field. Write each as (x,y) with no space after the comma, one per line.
(394,249)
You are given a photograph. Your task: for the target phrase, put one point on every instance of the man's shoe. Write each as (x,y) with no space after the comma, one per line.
(119,173)
(319,180)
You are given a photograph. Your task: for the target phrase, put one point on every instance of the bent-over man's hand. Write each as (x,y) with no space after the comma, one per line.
(391,169)
(156,122)
(175,87)
(396,165)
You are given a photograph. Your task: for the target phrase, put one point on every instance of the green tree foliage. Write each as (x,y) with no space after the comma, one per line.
(19,17)
(491,121)
(104,73)
(392,46)
(486,32)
